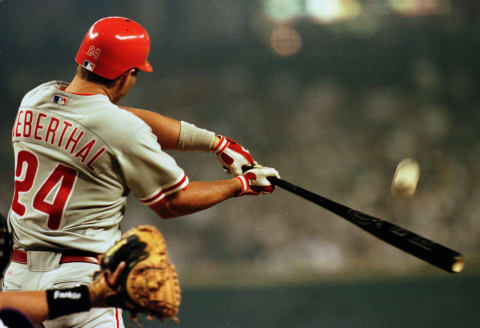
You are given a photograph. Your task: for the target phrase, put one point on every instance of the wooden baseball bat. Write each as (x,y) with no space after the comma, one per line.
(412,243)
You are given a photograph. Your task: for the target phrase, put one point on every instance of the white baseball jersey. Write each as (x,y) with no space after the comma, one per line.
(77,157)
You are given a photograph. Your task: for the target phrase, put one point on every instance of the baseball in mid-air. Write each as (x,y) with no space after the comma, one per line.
(406,178)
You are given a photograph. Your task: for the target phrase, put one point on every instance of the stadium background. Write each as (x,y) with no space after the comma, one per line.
(333,93)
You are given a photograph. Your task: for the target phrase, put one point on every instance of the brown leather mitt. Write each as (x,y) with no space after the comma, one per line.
(149,284)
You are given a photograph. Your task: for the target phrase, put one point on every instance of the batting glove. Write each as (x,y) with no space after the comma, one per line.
(255,182)
(233,156)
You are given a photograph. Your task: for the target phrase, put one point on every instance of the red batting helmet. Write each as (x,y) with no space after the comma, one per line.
(112,46)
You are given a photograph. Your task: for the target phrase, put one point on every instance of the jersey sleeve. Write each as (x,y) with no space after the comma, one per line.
(148,171)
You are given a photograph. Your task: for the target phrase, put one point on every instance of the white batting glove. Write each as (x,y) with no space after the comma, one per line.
(255,182)
(233,156)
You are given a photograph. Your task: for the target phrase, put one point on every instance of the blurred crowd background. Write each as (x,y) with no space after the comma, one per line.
(332,93)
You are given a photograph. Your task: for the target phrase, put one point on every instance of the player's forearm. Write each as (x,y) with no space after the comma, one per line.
(198,196)
(166,129)
(31,303)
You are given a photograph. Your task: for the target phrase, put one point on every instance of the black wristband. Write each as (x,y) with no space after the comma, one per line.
(67,301)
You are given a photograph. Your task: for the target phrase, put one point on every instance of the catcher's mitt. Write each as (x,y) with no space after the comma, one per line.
(149,283)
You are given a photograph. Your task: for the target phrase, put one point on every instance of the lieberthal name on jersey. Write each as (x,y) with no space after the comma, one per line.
(57,132)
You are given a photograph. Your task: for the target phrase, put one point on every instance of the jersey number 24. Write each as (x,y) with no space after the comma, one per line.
(62,178)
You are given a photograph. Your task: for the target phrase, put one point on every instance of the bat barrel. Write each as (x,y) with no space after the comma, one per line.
(410,242)
(416,245)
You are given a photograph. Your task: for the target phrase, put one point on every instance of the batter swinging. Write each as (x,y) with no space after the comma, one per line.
(78,155)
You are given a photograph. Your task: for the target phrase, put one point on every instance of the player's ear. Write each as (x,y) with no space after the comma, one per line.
(122,79)
(133,71)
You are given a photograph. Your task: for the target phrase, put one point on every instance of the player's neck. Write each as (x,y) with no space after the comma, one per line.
(81,86)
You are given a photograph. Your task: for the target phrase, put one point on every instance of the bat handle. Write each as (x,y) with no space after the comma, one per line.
(274,180)
(283,184)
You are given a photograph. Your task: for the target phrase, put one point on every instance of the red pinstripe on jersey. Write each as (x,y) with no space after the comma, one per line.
(117,321)
(160,195)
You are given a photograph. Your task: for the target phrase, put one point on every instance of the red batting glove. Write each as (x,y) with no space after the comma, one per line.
(233,156)
(255,182)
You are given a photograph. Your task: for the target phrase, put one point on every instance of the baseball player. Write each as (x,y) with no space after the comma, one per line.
(78,155)
(22,306)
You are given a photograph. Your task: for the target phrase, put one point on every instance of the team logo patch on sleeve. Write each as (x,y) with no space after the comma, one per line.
(60,100)
(88,65)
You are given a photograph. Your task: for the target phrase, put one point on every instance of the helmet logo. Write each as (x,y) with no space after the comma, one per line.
(88,65)
(94,52)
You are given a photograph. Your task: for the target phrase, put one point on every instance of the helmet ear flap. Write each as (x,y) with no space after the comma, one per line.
(113,45)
